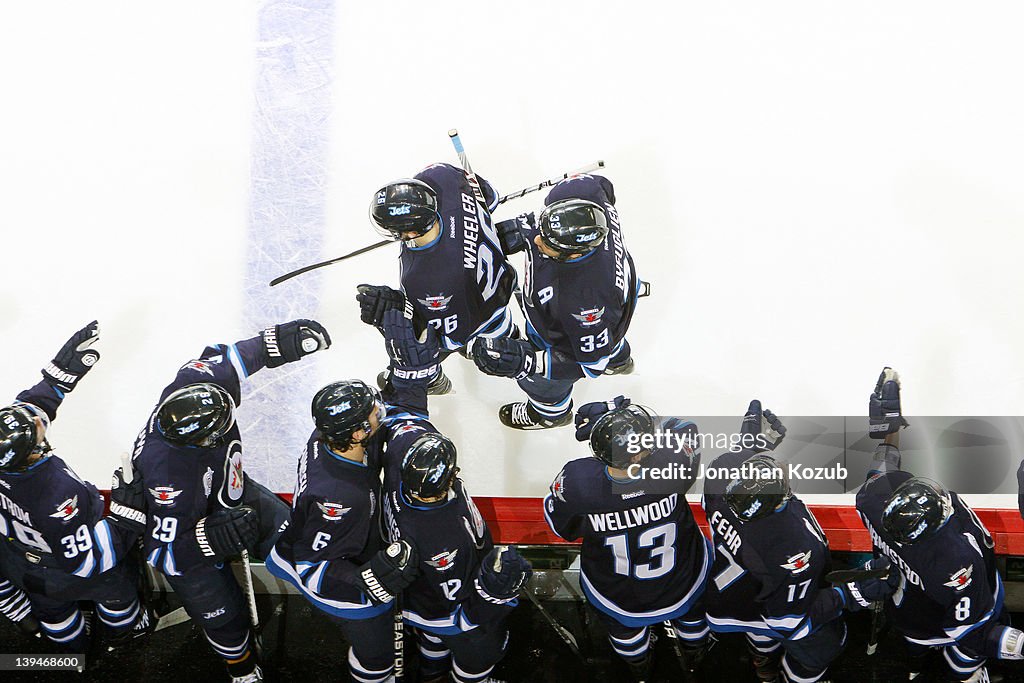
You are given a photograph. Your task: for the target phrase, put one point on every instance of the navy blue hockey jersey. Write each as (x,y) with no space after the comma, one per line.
(949,586)
(768,573)
(578,312)
(50,515)
(335,526)
(643,558)
(461,282)
(184,484)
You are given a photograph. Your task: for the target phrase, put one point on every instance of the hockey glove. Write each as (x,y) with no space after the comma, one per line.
(225,533)
(389,572)
(74,359)
(503,573)
(504,357)
(510,232)
(588,413)
(1010,642)
(291,341)
(412,360)
(376,300)
(761,429)
(884,410)
(860,594)
(128,503)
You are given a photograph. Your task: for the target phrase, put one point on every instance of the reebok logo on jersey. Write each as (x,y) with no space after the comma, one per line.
(589,317)
(67,510)
(198,366)
(332,512)
(798,563)
(436,303)
(164,495)
(443,561)
(961,579)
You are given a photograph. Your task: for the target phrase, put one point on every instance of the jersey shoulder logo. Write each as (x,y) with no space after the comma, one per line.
(208,482)
(67,510)
(798,563)
(409,427)
(164,495)
(558,486)
(444,560)
(437,303)
(234,477)
(588,317)
(198,366)
(961,578)
(332,512)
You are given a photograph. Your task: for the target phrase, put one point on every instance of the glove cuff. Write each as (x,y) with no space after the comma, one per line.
(204,544)
(59,378)
(493,599)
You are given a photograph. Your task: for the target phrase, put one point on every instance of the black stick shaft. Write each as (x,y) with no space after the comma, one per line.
(597,165)
(306,269)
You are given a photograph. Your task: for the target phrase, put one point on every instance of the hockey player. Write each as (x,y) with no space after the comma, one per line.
(643,559)
(200,507)
(771,558)
(579,296)
(332,549)
(453,266)
(55,543)
(950,595)
(466,587)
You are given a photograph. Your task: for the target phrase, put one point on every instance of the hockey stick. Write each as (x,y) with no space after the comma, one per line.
(879,624)
(306,269)
(253,612)
(399,626)
(847,575)
(474,182)
(596,166)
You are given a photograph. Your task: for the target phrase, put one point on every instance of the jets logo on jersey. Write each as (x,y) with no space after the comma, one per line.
(67,510)
(589,317)
(408,427)
(198,366)
(798,563)
(444,560)
(164,495)
(961,579)
(558,486)
(208,481)
(436,303)
(233,474)
(332,512)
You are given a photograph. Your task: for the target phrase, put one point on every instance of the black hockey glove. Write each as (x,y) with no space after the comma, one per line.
(128,503)
(761,429)
(860,594)
(884,410)
(510,232)
(291,341)
(225,533)
(503,573)
(588,413)
(412,360)
(389,572)
(74,359)
(504,357)
(376,300)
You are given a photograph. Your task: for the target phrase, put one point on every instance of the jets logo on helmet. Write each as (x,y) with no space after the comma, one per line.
(961,579)
(444,560)
(587,237)
(8,456)
(66,510)
(798,563)
(590,316)
(164,495)
(403,210)
(436,303)
(332,512)
(340,408)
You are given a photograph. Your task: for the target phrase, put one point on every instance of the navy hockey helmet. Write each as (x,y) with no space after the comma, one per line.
(403,207)
(19,437)
(196,415)
(573,227)
(917,509)
(429,467)
(340,409)
(761,489)
(615,438)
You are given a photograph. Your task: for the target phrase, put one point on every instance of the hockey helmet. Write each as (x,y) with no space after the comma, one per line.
(196,415)
(761,489)
(341,409)
(19,437)
(615,438)
(917,509)
(403,207)
(429,467)
(573,227)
